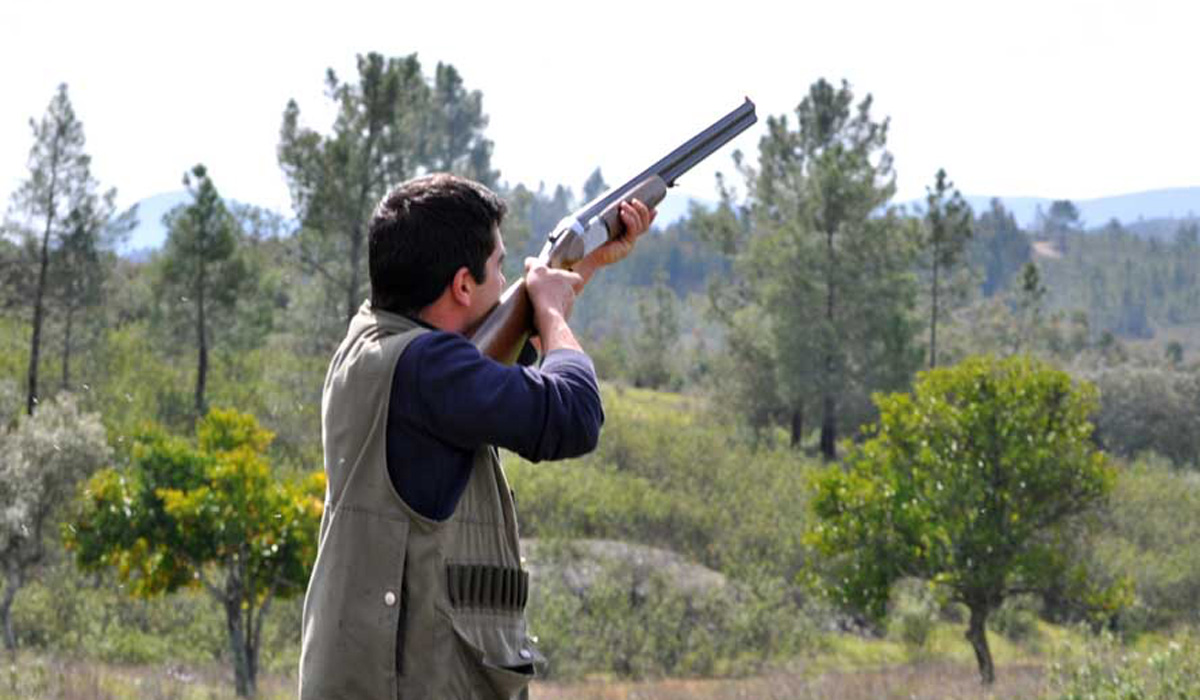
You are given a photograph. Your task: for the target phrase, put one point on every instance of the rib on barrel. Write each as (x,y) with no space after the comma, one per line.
(503,332)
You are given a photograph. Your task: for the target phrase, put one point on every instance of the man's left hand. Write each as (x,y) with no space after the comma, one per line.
(637,218)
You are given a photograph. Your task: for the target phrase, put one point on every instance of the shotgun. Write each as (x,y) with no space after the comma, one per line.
(503,332)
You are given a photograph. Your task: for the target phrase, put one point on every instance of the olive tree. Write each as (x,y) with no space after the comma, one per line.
(41,461)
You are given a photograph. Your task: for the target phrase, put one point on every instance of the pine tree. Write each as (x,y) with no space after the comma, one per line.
(946,232)
(60,204)
(201,273)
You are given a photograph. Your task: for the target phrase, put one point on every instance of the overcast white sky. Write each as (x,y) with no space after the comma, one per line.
(1044,98)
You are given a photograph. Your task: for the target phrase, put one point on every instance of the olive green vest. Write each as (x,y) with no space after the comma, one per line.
(401,606)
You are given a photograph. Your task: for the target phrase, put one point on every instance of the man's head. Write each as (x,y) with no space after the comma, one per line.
(432,236)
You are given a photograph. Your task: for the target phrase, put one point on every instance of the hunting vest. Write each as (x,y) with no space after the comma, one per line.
(401,606)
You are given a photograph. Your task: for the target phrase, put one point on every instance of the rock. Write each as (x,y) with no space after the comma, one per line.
(580,564)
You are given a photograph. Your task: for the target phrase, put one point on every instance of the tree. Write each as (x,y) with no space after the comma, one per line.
(454,140)
(81,266)
(1028,306)
(44,457)
(1060,223)
(946,232)
(200,268)
(999,247)
(658,310)
(823,258)
(970,482)
(594,186)
(209,515)
(60,187)
(390,126)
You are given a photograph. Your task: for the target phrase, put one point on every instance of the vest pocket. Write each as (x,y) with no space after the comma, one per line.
(496,646)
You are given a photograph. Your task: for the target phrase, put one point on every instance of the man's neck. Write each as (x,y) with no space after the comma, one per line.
(441,318)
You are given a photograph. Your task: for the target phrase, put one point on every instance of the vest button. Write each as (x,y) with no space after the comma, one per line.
(389,599)
(526,654)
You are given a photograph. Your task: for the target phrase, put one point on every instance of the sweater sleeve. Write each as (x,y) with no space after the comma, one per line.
(449,390)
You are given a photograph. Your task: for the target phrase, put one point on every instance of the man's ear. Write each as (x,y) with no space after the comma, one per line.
(462,287)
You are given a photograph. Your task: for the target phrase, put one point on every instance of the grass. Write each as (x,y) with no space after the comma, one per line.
(846,667)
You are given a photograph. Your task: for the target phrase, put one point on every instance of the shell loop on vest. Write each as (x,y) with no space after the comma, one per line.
(485,586)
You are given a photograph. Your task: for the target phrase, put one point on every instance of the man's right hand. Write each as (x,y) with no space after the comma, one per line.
(552,293)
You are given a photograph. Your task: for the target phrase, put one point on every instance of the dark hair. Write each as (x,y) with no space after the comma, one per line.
(422,232)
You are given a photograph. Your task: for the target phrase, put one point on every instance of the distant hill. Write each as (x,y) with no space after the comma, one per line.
(1176,203)
(1146,213)
(150,234)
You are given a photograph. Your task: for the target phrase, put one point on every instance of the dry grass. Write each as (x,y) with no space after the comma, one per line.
(31,676)
(926,681)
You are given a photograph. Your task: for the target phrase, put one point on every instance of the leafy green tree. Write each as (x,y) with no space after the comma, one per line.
(1149,410)
(390,125)
(59,199)
(827,267)
(206,515)
(946,232)
(970,482)
(44,458)
(201,273)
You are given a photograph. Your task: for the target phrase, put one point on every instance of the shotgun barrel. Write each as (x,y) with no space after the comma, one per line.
(503,332)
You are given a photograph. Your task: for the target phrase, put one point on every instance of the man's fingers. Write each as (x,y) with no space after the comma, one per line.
(529,264)
(637,216)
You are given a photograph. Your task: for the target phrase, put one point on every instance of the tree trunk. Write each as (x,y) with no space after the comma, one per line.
(977,636)
(66,356)
(39,295)
(797,427)
(12,585)
(202,344)
(934,316)
(829,428)
(829,402)
(243,665)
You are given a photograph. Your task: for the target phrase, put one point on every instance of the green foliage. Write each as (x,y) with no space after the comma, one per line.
(668,475)
(391,124)
(811,227)
(1152,538)
(179,512)
(202,275)
(946,231)
(1108,672)
(635,627)
(1149,409)
(912,614)
(177,508)
(66,224)
(998,247)
(970,482)
(44,457)
(653,345)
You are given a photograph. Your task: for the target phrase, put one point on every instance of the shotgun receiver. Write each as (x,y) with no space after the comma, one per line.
(502,333)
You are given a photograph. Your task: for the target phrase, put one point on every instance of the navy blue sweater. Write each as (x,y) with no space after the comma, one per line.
(447,399)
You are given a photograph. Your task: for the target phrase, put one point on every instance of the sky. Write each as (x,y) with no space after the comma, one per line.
(1047,98)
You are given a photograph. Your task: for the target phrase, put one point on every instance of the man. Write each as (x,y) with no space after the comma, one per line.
(418,590)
